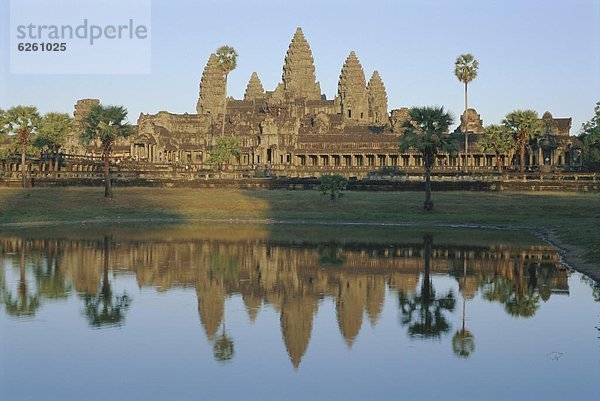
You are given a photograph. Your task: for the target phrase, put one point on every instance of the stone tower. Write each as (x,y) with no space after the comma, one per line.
(377,95)
(299,79)
(255,89)
(352,91)
(470,122)
(212,89)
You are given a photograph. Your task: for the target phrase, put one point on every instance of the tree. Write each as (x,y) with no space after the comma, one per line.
(465,69)
(497,139)
(227,62)
(52,134)
(425,131)
(22,122)
(106,124)
(524,126)
(224,150)
(590,136)
(332,185)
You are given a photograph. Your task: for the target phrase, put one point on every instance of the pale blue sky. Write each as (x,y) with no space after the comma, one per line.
(543,55)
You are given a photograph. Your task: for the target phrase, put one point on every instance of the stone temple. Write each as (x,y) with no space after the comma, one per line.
(295,131)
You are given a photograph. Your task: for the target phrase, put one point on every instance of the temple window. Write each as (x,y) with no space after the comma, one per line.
(349,113)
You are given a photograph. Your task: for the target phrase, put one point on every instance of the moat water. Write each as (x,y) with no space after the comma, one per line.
(293,313)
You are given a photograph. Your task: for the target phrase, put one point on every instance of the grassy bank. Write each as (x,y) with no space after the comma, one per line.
(574,218)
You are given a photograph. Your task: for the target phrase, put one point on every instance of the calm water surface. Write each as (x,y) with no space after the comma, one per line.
(286,313)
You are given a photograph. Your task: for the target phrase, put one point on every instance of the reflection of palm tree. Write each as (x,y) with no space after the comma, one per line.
(330,255)
(523,304)
(423,312)
(519,296)
(223,349)
(25,304)
(51,282)
(104,309)
(463,341)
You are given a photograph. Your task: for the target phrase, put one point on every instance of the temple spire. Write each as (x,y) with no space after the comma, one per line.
(255,89)
(352,90)
(212,89)
(378,113)
(298,77)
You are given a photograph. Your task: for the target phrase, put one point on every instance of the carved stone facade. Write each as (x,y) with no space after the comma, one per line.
(294,130)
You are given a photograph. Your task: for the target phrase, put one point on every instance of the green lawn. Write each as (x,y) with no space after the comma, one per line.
(574,217)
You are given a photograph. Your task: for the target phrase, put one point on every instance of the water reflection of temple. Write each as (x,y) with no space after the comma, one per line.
(294,278)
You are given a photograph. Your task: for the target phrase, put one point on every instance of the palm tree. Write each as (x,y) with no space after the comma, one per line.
(497,139)
(52,133)
(524,126)
(426,132)
(22,122)
(106,124)
(227,61)
(465,69)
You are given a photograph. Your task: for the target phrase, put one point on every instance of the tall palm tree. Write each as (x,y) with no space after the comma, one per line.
(23,122)
(227,62)
(52,134)
(465,69)
(524,126)
(426,131)
(497,139)
(106,124)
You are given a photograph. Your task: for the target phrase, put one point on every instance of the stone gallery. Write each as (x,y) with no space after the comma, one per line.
(295,131)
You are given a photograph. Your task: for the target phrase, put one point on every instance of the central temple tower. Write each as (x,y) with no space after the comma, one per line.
(298,77)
